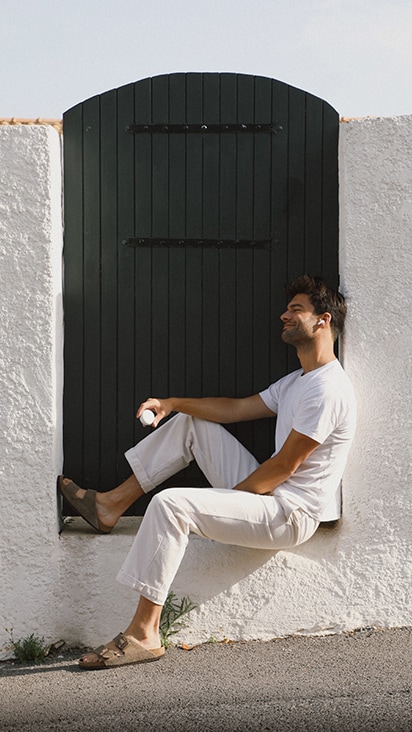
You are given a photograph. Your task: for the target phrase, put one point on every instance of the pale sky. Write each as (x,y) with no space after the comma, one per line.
(355,54)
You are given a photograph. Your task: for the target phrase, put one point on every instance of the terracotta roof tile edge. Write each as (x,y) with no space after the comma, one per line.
(56,123)
(354,119)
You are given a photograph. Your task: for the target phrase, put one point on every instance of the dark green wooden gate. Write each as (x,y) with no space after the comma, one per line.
(190,200)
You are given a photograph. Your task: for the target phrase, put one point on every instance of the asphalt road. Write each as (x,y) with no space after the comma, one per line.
(360,681)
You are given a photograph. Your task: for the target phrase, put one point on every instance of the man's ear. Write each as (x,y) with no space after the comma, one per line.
(324,319)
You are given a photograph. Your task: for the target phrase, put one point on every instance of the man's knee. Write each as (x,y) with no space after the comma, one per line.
(170,508)
(168,497)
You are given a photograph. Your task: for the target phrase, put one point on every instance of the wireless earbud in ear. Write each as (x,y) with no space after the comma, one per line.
(321,322)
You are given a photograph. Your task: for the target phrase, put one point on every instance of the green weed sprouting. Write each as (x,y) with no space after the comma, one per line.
(31,649)
(170,619)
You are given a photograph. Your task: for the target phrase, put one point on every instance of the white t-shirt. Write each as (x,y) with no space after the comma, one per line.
(319,404)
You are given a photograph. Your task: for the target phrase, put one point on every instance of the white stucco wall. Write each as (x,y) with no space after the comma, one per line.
(376,271)
(356,575)
(30,375)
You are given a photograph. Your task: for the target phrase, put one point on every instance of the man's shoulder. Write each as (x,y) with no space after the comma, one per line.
(330,373)
(292,376)
(330,382)
(278,389)
(284,379)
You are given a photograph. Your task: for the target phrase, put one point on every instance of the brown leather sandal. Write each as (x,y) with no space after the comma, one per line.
(127,650)
(85,506)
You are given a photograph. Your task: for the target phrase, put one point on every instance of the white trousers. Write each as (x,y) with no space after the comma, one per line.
(218,513)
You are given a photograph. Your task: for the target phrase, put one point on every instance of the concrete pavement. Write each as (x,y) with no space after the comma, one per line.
(353,682)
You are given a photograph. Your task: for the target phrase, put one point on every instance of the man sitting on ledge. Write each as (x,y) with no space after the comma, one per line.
(275,505)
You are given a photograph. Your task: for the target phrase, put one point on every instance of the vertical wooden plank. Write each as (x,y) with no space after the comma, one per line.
(143,256)
(177,157)
(296,196)
(262,209)
(193,355)
(227,324)
(126,276)
(279,226)
(211,115)
(160,227)
(227,230)
(262,212)
(194,227)
(194,157)
(210,323)
(262,230)
(140,304)
(228,153)
(177,214)
(92,291)
(160,158)
(143,159)
(177,322)
(73,293)
(245,152)
(210,319)
(279,174)
(296,183)
(313,185)
(244,258)
(330,204)
(109,253)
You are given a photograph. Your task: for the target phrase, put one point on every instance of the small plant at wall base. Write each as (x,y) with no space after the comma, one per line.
(172,613)
(31,649)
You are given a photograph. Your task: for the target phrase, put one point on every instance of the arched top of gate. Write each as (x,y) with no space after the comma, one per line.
(197,97)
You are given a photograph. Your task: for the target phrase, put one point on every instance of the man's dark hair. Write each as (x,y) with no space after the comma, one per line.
(323,299)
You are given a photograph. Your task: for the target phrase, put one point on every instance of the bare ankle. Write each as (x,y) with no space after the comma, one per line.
(112,504)
(148,639)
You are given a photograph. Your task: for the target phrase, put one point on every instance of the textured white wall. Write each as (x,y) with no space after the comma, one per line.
(376,270)
(30,375)
(356,575)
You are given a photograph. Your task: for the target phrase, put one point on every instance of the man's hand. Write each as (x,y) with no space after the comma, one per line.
(161,407)
(281,466)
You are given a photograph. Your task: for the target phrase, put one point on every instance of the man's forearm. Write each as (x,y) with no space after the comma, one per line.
(213,409)
(295,450)
(265,478)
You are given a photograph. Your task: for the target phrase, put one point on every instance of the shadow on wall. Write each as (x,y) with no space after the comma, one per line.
(215,571)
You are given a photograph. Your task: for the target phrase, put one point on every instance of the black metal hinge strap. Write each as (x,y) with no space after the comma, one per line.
(272,127)
(207,243)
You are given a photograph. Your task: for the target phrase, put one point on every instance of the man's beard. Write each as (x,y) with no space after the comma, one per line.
(296,336)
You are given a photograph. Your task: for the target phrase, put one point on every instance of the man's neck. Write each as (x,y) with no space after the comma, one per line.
(313,358)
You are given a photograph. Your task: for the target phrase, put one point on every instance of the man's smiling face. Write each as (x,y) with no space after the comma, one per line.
(299,321)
